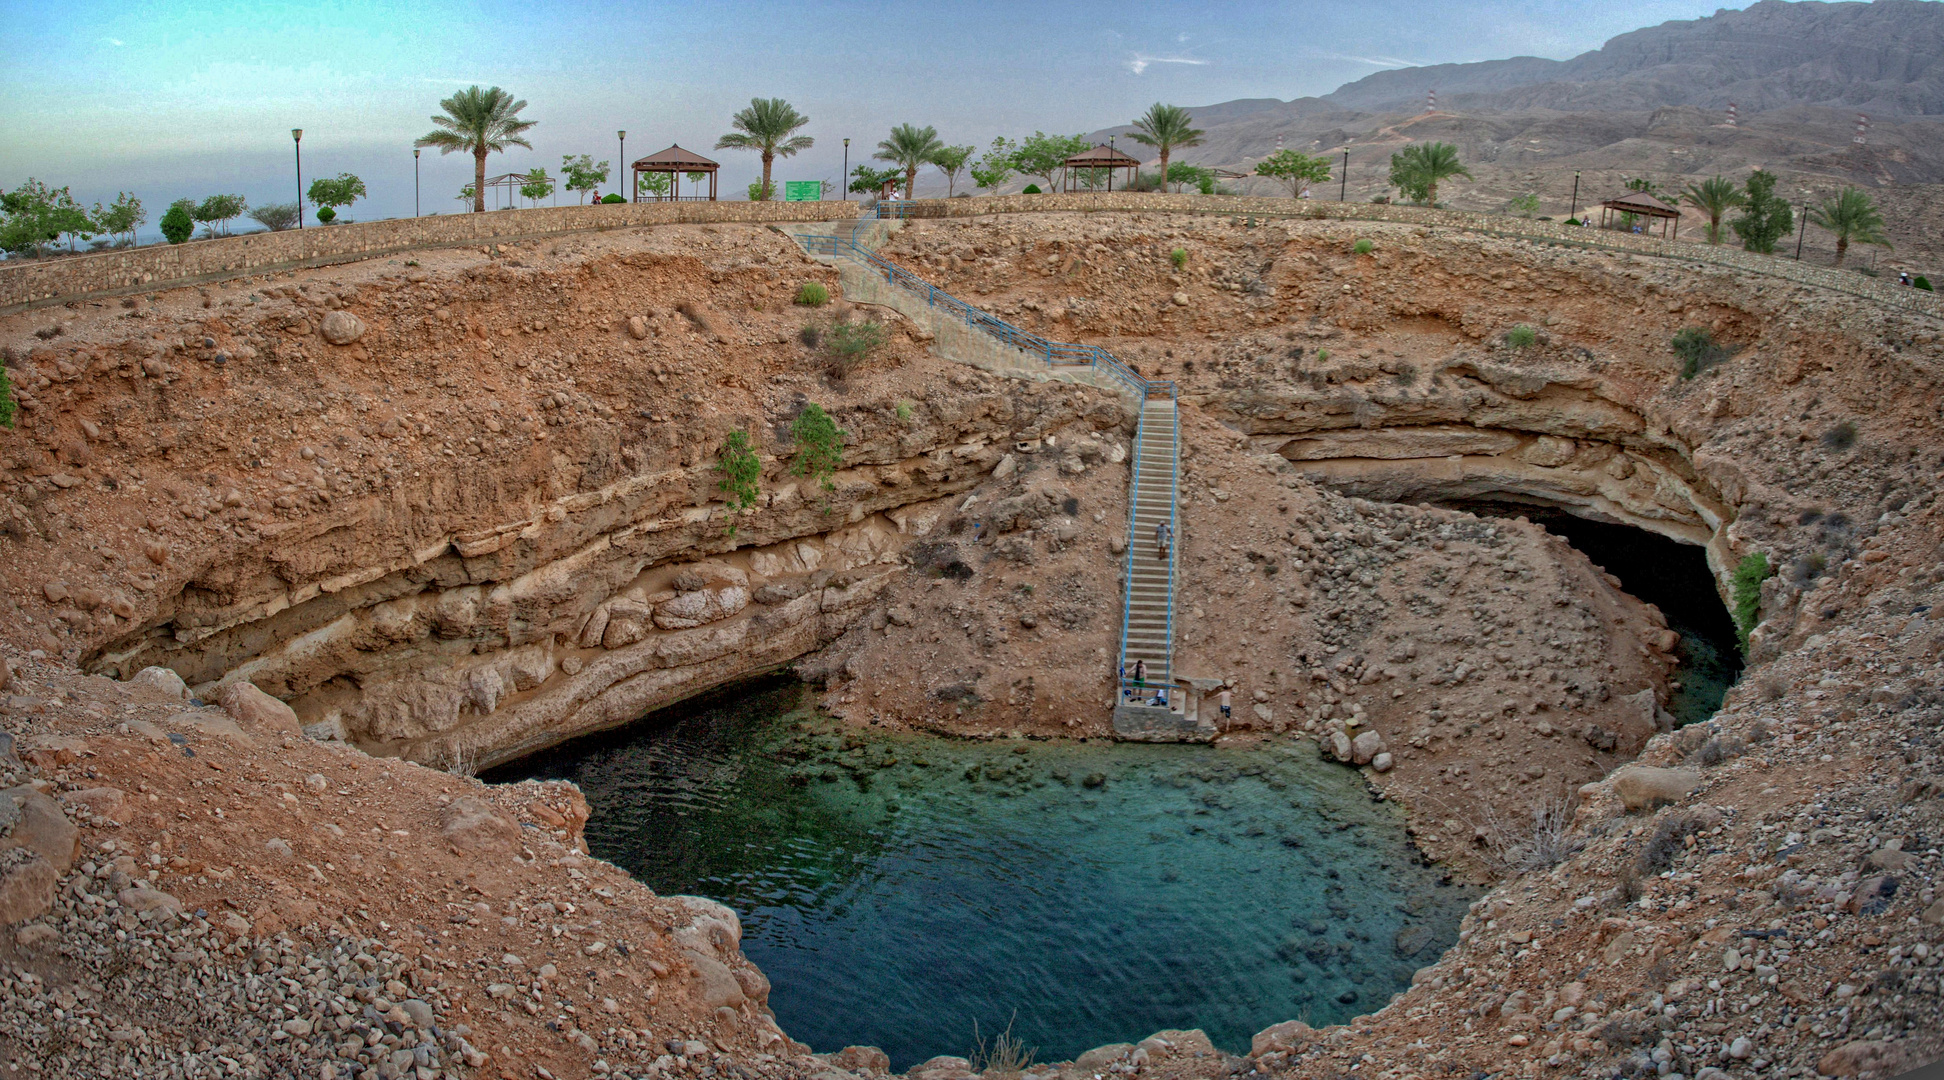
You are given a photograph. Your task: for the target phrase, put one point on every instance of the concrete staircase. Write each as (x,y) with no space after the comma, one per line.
(977,337)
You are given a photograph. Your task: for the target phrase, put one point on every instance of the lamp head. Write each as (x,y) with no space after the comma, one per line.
(296,134)
(416,151)
(846,142)
(621,134)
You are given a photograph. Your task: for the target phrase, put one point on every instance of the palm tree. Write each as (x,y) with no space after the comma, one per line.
(479,122)
(765,127)
(1851,215)
(909,148)
(1166,127)
(1419,168)
(1713,197)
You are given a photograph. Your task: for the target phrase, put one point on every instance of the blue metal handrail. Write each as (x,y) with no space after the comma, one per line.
(1056,354)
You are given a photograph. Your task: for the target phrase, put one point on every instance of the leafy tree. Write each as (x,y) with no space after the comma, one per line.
(583,173)
(653,183)
(866,180)
(341,190)
(1748,577)
(910,148)
(1646,186)
(276,216)
(1294,170)
(1167,128)
(1181,173)
(1853,216)
(951,161)
(216,211)
(1713,197)
(478,122)
(538,185)
(738,468)
(177,224)
(760,191)
(1765,218)
(466,193)
(33,217)
(1045,155)
(766,127)
(1418,169)
(820,445)
(122,217)
(1525,205)
(993,169)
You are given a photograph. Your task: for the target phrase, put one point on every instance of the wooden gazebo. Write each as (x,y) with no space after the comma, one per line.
(511,183)
(675,161)
(1644,205)
(1100,157)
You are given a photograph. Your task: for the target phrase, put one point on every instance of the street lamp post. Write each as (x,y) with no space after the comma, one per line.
(1572,211)
(846,177)
(297,140)
(1344,187)
(623,167)
(415,180)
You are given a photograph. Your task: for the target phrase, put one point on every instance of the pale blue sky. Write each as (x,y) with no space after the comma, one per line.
(171,99)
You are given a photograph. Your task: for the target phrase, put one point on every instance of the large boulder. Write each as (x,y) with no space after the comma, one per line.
(342,328)
(1642,787)
(473,825)
(42,827)
(1367,745)
(161,682)
(257,711)
(715,984)
(1286,1037)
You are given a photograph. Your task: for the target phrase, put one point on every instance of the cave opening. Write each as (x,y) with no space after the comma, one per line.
(1672,576)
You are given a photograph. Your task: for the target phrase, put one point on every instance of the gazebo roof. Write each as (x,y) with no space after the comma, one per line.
(1639,202)
(1101,157)
(675,159)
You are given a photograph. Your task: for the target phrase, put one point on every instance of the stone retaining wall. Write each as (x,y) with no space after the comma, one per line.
(1846,281)
(33,282)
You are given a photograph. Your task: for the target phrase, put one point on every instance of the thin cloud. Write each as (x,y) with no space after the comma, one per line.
(1139,62)
(116,42)
(1376,61)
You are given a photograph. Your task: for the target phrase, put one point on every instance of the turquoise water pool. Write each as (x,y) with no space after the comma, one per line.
(897,888)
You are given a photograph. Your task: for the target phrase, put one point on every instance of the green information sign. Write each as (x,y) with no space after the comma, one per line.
(802,191)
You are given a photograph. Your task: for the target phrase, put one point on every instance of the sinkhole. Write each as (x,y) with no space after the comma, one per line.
(1672,576)
(899,888)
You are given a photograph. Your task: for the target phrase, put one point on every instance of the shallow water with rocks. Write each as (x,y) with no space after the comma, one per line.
(898,888)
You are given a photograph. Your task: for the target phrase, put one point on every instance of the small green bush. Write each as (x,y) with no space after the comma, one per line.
(813,294)
(1322,355)
(1521,336)
(1749,575)
(739,468)
(1030,189)
(326,215)
(1363,247)
(1923,283)
(851,342)
(1840,437)
(1697,350)
(820,444)
(177,225)
(613,198)
(1573,221)
(1179,257)
(904,411)
(6,399)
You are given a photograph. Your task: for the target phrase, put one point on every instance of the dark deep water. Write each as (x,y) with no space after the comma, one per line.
(897,888)
(1673,577)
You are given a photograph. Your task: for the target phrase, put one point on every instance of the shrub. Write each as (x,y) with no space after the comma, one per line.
(810,335)
(1030,189)
(1322,355)
(1179,257)
(1697,350)
(6,399)
(851,342)
(326,215)
(1362,247)
(1518,845)
(1840,437)
(276,216)
(1923,283)
(613,198)
(1008,1056)
(820,444)
(904,410)
(1666,842)
(1749,575)
(1573,221)
(739,468)
(177,225)
(1521,336)
(813,294)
